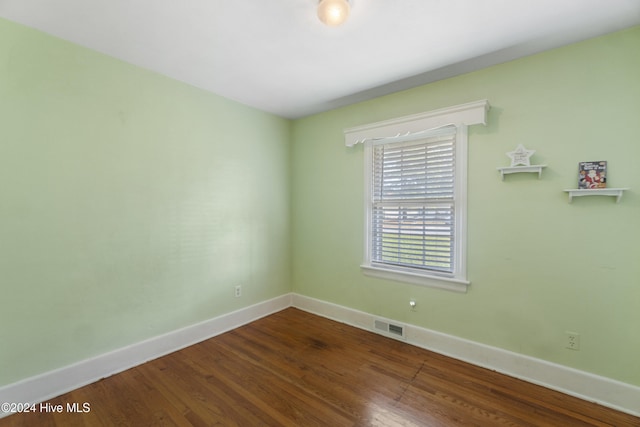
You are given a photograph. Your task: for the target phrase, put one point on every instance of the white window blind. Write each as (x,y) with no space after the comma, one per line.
(413,202)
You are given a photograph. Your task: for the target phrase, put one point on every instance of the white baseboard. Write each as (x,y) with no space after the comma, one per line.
(605,391)
(54,383)
(614,394)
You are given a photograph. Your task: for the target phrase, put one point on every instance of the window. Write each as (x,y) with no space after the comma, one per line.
(412,211)
(416,207)
(415,197)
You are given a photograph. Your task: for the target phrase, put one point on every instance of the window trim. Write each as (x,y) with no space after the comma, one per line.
(415,127)
(468,114)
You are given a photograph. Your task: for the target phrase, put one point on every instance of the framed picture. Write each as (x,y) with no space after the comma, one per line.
(592,175)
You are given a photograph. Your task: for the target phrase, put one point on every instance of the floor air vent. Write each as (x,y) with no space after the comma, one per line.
(389,329)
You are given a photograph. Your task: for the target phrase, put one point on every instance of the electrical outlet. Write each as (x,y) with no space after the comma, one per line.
(572,340)
(238,291)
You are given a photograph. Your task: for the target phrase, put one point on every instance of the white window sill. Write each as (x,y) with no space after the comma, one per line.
(432,281)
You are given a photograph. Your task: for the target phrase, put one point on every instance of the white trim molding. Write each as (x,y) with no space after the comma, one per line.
(446,283)
(614,394)
(584,385)
(468,114)
(57,382)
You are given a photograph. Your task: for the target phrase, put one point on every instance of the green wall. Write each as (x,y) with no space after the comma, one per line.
(539,266)
(130,204)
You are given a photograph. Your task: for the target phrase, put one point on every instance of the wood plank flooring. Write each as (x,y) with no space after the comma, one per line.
(296,369)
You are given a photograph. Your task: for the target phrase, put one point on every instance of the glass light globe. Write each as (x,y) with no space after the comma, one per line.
(333,12)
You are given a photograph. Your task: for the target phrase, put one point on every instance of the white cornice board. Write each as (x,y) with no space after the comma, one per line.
(468,114)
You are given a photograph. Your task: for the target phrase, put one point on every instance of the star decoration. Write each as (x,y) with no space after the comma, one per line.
(521,156)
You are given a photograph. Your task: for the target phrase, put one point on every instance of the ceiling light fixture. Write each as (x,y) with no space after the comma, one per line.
(333,12)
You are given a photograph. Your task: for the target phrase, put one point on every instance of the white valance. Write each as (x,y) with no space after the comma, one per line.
(472,113)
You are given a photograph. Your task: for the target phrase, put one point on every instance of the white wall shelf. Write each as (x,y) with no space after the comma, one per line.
(520,169)
(615,192)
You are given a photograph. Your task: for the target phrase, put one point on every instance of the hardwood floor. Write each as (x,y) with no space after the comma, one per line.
(296,369)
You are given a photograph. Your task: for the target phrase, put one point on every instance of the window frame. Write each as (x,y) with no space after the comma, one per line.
(413,128)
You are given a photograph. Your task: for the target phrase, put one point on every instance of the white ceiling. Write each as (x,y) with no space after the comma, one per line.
(275,55)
